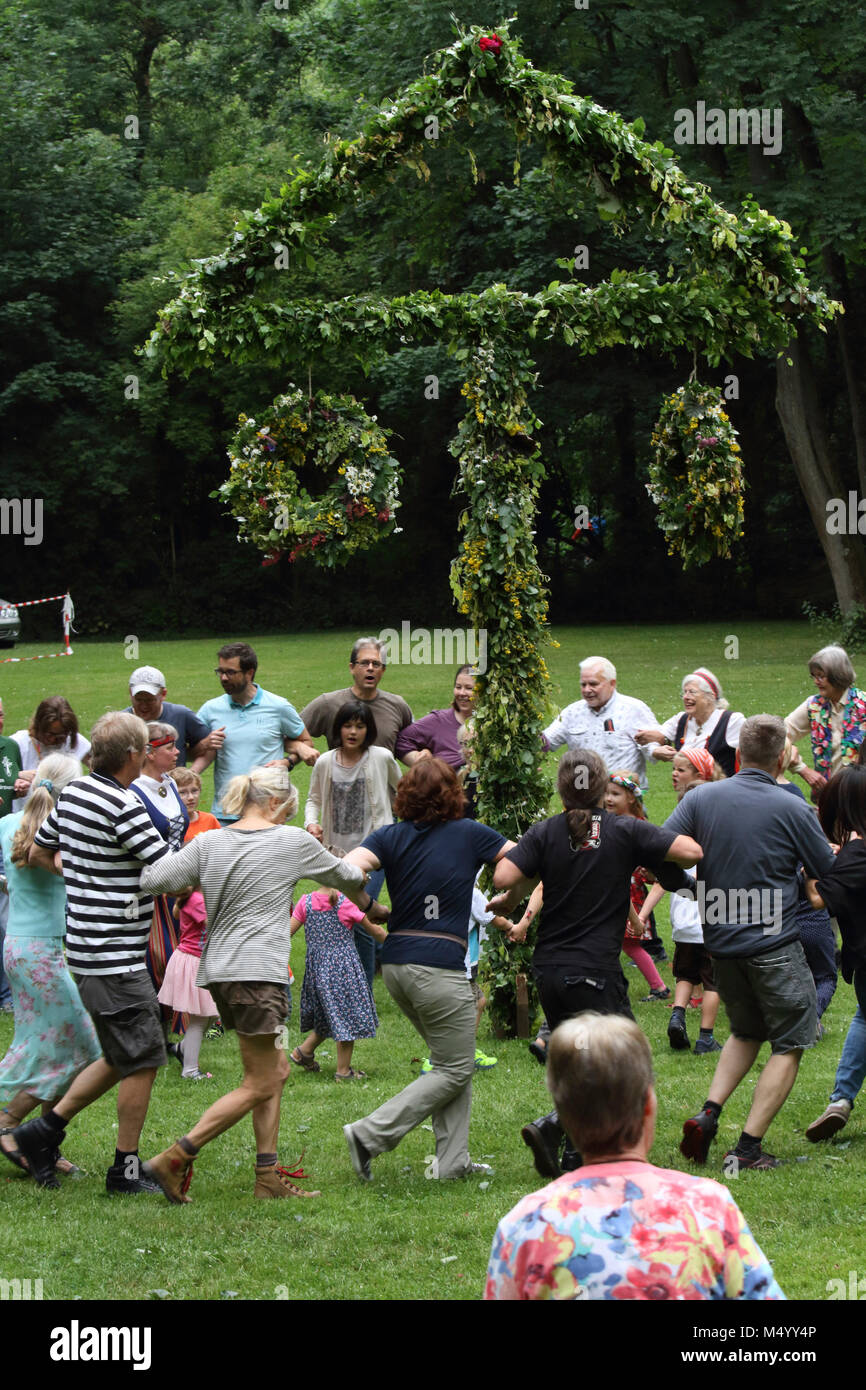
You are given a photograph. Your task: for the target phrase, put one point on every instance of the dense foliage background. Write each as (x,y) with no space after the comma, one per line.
(133,138)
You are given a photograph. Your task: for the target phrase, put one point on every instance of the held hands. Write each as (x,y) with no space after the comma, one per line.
(23,781)
(315,830)
(648,736)
(307,753)
(378,912)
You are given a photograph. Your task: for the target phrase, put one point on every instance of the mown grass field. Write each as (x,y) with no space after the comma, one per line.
(404,1236)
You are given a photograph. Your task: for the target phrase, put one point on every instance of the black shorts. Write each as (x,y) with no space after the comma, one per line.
(693,962)
(127,1019)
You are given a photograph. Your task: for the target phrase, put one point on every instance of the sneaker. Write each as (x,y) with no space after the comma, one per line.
(197,1075)
(483,1063)
(677,1034)
(172,1170)
(275,1181)
(359,1155)
(663,993)
(759,1162)
(707,1045)
(480,1170)
(117,1184)
(426,1066)
(698,1134)
(38,1142)
(834,1118)
(544,1137)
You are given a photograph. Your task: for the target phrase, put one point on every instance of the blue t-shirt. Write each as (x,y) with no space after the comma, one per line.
(37,898)
(190,729)
(431,871)
(254,736)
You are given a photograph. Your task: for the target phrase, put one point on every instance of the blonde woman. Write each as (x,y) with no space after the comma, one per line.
(54,1036)
(247,874)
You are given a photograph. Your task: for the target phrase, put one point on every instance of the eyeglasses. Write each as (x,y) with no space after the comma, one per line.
(223,671)
(374,665)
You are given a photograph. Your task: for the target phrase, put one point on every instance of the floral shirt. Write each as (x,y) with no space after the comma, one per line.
(628,1230)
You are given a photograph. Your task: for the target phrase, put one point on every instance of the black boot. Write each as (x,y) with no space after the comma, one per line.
(571,1159)
(544,1137)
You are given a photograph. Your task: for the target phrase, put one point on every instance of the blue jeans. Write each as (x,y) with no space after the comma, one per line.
(364,944)
(851,1071)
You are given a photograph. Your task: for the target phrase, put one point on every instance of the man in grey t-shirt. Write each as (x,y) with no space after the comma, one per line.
(754,837)
(367,663)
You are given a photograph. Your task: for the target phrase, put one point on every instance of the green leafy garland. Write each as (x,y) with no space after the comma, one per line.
(276,514)
(499,587)
(696,476)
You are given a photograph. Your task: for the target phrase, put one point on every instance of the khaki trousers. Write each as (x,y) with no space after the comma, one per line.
(439,1004)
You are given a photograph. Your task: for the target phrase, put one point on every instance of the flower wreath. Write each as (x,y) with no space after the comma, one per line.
(274,511)
(696,475)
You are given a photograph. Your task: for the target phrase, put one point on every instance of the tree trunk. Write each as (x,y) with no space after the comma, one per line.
(803,423)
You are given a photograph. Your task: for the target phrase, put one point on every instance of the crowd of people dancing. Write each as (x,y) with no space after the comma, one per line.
(130,916)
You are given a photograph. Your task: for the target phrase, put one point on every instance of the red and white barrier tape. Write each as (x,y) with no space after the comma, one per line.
(67,616)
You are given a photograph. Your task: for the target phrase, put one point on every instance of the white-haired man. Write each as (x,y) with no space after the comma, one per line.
(604,720)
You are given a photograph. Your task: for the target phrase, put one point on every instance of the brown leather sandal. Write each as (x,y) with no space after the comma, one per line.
(301,1059)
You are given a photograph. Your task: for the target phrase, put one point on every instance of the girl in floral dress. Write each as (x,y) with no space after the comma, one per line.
(54,1036)
(336,1000)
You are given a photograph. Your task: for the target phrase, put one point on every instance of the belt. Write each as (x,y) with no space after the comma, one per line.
(436,935)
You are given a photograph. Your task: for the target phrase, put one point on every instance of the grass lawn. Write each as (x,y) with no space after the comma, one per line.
(403,1236)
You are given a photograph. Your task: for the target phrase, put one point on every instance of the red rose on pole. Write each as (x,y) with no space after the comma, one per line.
(490,43)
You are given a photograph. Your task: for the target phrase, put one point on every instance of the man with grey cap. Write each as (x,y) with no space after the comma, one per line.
(147,691)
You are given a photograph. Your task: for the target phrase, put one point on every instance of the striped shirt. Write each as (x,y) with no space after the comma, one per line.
(104,835)
(248,877)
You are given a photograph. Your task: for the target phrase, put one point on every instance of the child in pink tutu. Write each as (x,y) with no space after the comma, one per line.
(179,990)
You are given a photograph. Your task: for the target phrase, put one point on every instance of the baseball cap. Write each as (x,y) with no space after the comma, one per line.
(146,678)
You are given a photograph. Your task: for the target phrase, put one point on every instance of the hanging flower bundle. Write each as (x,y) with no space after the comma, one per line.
(696,475)
(276,513)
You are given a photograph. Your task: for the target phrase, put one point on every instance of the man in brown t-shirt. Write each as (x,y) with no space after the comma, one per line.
(367,664)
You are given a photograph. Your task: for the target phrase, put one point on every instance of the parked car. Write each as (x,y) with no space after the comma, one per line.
(10,624)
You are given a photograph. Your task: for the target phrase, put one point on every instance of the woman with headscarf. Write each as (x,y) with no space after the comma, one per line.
(705,721)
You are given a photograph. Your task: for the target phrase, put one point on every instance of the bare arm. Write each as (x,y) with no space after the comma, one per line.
(685,851)
(48,859)
(653,898)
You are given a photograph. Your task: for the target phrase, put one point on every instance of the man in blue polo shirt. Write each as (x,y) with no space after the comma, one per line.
(251,726)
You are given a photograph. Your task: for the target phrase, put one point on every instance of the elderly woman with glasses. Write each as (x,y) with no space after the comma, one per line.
(834,717)
(158,793)
(705,721)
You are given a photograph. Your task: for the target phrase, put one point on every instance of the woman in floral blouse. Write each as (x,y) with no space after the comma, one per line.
(834,718)
(619,1228)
